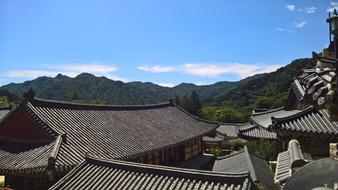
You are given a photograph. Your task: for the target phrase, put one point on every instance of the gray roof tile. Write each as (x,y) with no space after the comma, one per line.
(114,132)
(257,132)
(98,173)
(18,158)
(245,161)
(4,112)
(309,120)
(287,160)
(263,119)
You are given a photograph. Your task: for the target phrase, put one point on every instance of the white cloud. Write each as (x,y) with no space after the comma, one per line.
(214,70)
(170,85)
(291,7)
(284,30)
(211,69)
(94,67)
(205,70)
(71,70)
(300,24)
(310,10)
(30,73)
(156,68)
(200,83)
(333,6)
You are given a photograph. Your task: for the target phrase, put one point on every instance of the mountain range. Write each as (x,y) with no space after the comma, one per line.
(89,87)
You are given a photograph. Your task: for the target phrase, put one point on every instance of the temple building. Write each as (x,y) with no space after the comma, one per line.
(225,134)
(98,173)
(246,161)
(311,127)
(42,140)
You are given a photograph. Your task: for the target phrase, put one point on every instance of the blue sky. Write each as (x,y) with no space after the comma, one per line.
(164,42)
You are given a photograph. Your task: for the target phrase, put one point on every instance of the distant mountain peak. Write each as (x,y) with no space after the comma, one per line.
(85,75)
(61,76)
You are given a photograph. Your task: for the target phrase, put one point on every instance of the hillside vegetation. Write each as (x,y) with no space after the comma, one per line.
(223,101)
(89,87)
(269,90)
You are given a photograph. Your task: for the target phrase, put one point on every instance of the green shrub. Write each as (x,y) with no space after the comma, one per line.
(223,114)
(263,148)
(237,145)
(216,151)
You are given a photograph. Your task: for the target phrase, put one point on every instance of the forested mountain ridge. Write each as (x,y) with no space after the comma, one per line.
(268,90)
(263,90)
(89,87)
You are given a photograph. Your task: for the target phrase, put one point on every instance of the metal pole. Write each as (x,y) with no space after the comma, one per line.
(330,40)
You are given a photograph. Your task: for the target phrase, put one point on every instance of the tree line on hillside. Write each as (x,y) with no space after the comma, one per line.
(192,104)
(222,101)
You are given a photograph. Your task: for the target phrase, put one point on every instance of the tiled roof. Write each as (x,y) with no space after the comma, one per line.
(229,129)
(298,89)
(202,161)
(17,158)
(316,174)
(317,86)
(257,132)
(97,173)
(287,160)
(310,120)
(263,119)
(4,111)
(245,161)
(114,132)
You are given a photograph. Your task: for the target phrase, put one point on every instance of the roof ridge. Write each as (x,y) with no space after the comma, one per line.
(40,122)
(250,164)
(91,158)
(268,111)
(230,155)
(56,148)
(73,104)
(236,124)
(294,116)
(37,101)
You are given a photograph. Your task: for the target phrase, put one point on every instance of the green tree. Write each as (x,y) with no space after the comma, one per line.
(186,103)
(177,100)
(3,101)
(263,102)
(237,145)
(265,148)
(75,96)
(195,103)
(225,114)
(216,151)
